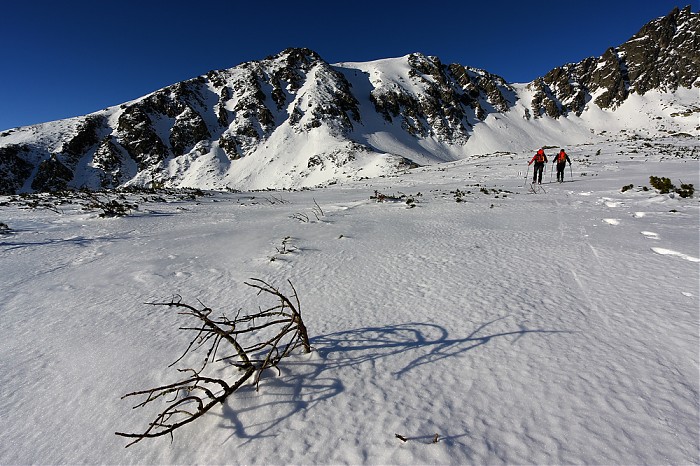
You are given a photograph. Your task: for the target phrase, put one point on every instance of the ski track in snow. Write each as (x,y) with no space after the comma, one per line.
(518,328)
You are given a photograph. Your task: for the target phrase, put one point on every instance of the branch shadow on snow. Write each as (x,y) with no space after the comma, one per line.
(81,241)
(306,381)
(432,341)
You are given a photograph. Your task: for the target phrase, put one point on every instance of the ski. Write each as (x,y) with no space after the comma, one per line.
(537,189)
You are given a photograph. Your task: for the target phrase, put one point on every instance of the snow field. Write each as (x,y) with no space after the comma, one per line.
(525,328)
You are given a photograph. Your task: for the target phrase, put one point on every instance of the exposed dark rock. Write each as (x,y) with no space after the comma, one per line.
(189,129)
(137,135)
(220,108)
(86,136)
(108,159)
(14,170)
(611,77)
(230,146)
(52,176)
(441,108)
(663,55)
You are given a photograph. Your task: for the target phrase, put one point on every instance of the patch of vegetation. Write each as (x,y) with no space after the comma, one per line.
(459,195)
(664,186)
(627,187)
(686,190)
(110,207)
(112,203)
(409,200)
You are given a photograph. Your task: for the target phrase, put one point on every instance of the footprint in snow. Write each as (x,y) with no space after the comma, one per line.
(669,252)
(650,234)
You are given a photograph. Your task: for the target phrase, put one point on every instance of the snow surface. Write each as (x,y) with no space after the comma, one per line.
(551,328)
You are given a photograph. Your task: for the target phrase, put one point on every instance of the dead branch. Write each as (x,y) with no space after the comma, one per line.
(318,210)
(303,218)
(257,341)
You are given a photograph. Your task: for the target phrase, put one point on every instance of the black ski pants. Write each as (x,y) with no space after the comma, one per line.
(560,171)
(537,176)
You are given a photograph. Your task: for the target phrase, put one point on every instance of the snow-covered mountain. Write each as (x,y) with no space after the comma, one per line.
(293,120)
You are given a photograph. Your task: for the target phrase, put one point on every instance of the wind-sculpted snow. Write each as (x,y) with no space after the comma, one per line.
(552,328)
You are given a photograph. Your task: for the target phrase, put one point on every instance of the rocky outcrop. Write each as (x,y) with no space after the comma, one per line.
(663,55)
(296,87)
(14,169)
(86,136)
(481,91)
(175,108)
(52,175)
(136,133)
(108,159)
(449,95)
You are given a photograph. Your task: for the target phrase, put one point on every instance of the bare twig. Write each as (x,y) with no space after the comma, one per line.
(301,217)
(318,211)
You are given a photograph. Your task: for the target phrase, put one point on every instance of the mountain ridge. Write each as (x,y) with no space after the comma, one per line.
(293,120)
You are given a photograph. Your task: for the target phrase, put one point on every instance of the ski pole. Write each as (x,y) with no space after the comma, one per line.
(527,174)
(571,172)
(550,172)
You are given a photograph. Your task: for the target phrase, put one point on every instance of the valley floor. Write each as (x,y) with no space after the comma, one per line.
(552,328)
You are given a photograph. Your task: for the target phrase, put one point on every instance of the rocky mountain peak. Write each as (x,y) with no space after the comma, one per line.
(663,55)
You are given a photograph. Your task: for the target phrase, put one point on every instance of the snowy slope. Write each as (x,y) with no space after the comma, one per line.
(550,328)
(289,158)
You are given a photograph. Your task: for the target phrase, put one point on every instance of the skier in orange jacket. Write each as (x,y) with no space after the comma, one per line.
(561,159)
(540,159)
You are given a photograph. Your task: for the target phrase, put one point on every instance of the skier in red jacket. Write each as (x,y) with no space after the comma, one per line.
(540,159)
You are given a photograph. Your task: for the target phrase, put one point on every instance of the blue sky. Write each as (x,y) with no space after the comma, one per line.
(72,57)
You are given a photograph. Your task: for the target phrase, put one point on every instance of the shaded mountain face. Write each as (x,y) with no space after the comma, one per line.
(326,120)
(663,55)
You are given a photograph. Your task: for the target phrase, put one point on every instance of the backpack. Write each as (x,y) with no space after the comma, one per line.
(561,157)
(539,157)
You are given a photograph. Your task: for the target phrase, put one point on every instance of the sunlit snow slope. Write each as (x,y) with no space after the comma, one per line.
(551,328)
